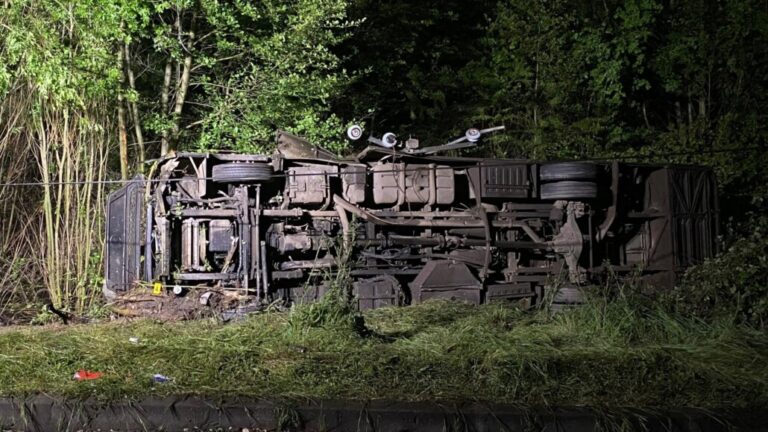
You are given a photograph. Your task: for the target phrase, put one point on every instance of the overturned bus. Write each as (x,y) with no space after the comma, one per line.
(412,225)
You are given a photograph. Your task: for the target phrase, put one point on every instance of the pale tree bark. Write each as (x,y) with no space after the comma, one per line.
(183,85)
(164,98)
(135,111)
(121,129)
(690,109)
(645,115)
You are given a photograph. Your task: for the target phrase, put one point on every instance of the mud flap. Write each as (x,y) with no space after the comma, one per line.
(446,280)
(122,260)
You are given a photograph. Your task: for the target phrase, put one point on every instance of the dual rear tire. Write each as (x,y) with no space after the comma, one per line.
(568,181)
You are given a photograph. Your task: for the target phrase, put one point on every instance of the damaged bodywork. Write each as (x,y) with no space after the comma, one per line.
(421,226)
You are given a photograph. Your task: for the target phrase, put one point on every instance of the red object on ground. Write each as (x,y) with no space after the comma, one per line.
(85,375)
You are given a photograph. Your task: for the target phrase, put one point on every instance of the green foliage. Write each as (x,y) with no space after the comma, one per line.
(281,72)
(63,49)
(710,67)
(333,310)
(733,285)
(564,75)
(255,67)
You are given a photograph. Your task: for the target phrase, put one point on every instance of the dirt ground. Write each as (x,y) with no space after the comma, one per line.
(142,303)
(192,304)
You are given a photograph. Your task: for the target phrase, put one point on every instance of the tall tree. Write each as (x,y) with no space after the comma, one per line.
(228,74)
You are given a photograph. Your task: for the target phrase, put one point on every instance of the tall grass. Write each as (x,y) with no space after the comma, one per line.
(17,210)
(335,307)
(51,237)
(592,356)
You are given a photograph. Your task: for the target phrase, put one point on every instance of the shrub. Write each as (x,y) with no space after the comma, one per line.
(734,284)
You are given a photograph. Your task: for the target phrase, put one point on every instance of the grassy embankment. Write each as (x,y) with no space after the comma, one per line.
(603,354)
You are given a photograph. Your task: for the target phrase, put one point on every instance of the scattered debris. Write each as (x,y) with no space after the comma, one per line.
(205,298)
(86,375)
(241,311)
(142,302)
(134,340)
(158,378)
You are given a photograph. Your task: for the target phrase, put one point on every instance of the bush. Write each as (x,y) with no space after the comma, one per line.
(732,285)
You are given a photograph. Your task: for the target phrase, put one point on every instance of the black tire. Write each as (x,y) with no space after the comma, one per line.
(568,190)
(244,172)
(568,171)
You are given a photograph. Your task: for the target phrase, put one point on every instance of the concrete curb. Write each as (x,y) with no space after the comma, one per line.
(43,413)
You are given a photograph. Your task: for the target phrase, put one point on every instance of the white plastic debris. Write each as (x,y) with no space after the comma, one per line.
(158,378)
(205,298)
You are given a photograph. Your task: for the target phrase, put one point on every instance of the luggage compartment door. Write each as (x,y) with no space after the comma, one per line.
(684,231)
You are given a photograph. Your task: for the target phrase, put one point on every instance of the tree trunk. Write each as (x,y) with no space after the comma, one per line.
(122,133)
(690,109)
(645,115)
(164,97)
(135,111)
(181,92)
